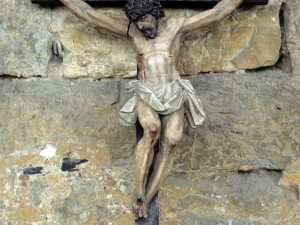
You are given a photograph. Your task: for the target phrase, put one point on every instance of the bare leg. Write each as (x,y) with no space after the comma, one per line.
(172,128)
(143,156)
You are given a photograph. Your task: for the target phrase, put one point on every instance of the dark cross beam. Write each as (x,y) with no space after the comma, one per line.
(165,3)
(154,204)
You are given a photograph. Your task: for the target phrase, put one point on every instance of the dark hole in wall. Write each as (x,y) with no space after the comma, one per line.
(9,77)
(70,164)
(33,170)
(263,170)
(284,63)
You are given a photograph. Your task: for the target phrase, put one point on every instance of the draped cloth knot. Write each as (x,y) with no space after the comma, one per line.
(164,99)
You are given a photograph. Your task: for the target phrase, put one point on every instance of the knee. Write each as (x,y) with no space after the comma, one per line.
(170,144)
(173,144)
(153,130)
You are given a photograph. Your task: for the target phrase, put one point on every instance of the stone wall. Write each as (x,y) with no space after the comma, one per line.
(64,159)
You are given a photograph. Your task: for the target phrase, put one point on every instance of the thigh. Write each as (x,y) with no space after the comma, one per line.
(172,125)
(147,116)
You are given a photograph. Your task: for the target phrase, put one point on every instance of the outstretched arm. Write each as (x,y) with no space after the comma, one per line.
(82,10)
(219,12)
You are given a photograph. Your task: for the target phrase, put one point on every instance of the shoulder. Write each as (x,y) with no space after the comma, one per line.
(174,22)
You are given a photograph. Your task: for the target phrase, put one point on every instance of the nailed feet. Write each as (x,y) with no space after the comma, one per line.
(140,208)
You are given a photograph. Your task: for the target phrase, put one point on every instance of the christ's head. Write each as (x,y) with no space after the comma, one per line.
(144,14)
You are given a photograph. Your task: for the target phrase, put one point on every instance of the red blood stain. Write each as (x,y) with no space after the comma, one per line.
(153,130)
(74,13)
(140,61)
(172,146)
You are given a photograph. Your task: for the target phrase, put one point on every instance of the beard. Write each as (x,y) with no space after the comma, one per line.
(150,32)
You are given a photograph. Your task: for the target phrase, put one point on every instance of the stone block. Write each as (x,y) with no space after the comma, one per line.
(25,39)
(249,38)
(234,198)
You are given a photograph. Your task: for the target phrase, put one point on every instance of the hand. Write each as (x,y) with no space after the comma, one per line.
(57,47)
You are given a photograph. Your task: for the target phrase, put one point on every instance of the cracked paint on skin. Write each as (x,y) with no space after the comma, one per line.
(142,74)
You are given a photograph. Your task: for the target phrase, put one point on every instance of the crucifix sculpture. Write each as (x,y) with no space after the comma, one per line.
(160,97)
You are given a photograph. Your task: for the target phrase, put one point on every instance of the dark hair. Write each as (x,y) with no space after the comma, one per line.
(135,9)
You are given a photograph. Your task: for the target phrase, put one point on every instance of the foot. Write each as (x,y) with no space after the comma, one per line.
(140,208)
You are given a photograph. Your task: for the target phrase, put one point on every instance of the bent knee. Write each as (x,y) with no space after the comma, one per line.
(173,144)
(152,130)
(170,144)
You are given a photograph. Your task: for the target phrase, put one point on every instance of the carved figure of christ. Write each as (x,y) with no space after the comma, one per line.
(161,97)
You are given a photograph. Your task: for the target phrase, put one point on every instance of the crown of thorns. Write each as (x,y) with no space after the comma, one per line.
(135,9)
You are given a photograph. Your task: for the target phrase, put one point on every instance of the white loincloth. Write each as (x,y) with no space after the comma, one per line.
(165,100)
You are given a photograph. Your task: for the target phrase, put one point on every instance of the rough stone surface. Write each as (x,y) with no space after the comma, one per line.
(231,198)
(291,176)
(250,123)
(79,120)
(292,23)
(234,169)
(59,109)
(25,39)
(241,167)
(89,52)
(248,39)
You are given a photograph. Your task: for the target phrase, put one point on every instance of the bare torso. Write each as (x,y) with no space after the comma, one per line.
(157,58)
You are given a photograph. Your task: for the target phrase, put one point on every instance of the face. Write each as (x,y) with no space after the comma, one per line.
(147,25)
